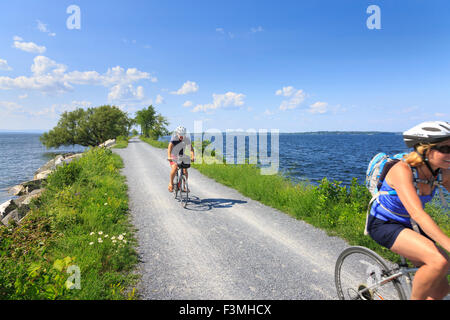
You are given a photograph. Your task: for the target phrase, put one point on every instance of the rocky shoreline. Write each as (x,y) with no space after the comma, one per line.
(18,207)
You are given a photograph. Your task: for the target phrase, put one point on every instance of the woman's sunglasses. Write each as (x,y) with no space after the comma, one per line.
(442,149)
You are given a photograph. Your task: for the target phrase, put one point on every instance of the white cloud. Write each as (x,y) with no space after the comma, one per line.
(9,106)
(125,92)
(159,99)
(187,87)
(286,91)
(296,97)
(23,96)
(222,31)
(4,65)
(318,107)
(42,27)
(54,111)
(221,100)
(257,29)
(27,46)
(187,104)
(49,76)
(42,65)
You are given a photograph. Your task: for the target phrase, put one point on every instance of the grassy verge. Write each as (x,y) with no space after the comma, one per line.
(121,142)
(339,210)
(154,143)
(76,242)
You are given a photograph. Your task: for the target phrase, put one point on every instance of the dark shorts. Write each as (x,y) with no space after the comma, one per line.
(386,232)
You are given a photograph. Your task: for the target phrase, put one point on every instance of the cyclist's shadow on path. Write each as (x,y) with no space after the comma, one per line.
(197,204)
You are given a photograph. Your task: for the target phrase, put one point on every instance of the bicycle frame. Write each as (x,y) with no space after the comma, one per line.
(402,271)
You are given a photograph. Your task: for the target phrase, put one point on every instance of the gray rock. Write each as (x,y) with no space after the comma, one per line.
(26,199)
(108,143)
(50,165)
(33,185)
(42,175)
(13,215)
(17,190)
(7,207)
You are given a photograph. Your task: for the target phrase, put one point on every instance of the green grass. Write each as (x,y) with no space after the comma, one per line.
(154,143)
(71,227)
(121,142)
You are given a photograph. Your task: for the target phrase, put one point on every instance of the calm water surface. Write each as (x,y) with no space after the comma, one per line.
(21,154)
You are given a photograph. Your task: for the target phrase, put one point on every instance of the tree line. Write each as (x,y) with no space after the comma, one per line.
(93,126)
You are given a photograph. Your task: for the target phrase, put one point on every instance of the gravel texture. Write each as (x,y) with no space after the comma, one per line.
(223,245)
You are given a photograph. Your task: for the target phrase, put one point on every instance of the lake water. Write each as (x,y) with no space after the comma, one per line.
(21,154)
(302,157)
(312,156)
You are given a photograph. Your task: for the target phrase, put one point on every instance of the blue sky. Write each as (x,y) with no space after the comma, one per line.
(288,65)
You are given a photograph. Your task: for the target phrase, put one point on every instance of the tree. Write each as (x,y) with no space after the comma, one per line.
(89,127)
(159,128)
(146,119)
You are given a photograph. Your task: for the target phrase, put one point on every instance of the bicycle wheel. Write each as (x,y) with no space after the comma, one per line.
(358,269)
(184,191)
(175,186)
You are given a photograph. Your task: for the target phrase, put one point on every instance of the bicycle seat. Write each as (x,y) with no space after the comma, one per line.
(183,165)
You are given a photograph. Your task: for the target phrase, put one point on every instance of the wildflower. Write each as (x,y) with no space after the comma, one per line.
(91,243)
(120,237)
(106,203)
(100,240)
(113,237)
(100,232)
(114,241)
(91,233)
(106,236)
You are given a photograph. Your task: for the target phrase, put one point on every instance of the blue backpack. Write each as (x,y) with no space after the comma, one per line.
(378,168)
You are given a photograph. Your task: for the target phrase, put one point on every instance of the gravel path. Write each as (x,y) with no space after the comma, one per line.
(224,245)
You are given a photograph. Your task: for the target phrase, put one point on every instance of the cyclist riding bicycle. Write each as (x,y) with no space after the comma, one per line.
(175,151)
(396,217)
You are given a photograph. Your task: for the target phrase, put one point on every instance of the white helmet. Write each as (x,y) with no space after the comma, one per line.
(181,131)
(427,132)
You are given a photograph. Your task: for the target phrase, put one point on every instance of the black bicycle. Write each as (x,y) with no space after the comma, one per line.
(180,185)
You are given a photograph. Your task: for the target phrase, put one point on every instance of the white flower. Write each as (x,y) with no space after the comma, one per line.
(106,236)
(100,232)
(106,203)
(113,237)
(120,237)
(100,240)
(91,233)
(124,241)
(91,243)
(114,241)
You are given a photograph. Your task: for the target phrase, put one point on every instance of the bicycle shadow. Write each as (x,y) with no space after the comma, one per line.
(197,204)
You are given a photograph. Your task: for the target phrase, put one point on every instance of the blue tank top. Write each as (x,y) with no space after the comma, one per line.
(392,202)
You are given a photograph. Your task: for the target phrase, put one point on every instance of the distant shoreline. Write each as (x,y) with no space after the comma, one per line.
(22,131)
